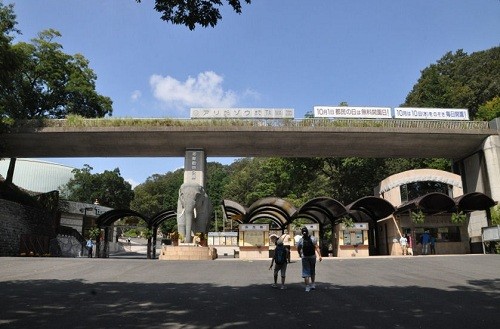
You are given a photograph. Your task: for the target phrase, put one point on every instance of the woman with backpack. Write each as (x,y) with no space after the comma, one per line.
(307,248)
(280,259)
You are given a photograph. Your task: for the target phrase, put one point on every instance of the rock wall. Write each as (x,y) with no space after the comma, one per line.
(24,228)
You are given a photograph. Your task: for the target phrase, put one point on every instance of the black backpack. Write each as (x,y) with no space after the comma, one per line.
(307,246)
(280,254)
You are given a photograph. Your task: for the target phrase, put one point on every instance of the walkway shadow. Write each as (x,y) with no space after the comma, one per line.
(77,304)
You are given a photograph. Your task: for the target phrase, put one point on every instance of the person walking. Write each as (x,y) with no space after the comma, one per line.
(404,244)
(426,238)
(280,261)
(307,248)
(286,240)
(90,246)
(432,243)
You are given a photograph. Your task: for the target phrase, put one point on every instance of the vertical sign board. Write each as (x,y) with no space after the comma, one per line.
(194,167)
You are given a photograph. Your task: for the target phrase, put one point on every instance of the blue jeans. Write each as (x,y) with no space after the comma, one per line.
(308,266)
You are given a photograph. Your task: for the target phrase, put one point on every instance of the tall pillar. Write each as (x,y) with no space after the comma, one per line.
(480,172)
(491,149)
(194,166)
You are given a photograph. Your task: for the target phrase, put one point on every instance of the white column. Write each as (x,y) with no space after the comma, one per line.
(491,149)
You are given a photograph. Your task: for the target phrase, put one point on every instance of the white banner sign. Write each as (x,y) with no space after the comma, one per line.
(429,113)
(242,113)
(352,112)
(254,227)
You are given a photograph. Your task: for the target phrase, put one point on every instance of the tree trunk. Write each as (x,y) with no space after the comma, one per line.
(10,172)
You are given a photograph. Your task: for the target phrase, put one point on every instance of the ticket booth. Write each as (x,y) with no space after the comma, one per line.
(352,241)
(253,241)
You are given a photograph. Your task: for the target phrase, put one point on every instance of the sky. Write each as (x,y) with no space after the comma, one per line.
(276,54)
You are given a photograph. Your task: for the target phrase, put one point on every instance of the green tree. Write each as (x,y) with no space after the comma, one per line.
(490,110)
(194,12)
(51,84)
(157,193)
(216,179)
(459,80)
(39,80)
(108,187)
(9,61)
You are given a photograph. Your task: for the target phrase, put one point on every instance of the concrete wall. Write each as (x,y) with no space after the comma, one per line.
(17,220)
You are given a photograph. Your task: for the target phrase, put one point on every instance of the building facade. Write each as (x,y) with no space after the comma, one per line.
(433,192)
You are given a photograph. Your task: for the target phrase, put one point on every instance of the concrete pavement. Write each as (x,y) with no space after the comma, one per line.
(379,292)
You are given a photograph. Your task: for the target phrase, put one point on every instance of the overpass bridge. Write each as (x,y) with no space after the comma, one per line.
(247,138)
(473,146)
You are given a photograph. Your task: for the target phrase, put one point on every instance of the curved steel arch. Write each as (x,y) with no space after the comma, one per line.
(474,201)
(162,216)
(309,216)
(322,209)
(109,217)
(112,216)
(234,211)
(376,208)
(274,213)
(280,210)
(270,216)
(431,203)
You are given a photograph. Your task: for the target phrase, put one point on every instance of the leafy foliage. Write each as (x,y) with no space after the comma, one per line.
(418,217)
(157,193)
(193,12)
(458,217)
(490,110)
(94,232)
(348,222)
(459,80)
(108,187)
(495,215)
(39,80)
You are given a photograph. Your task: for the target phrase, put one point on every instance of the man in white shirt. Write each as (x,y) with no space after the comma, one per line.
(404,244)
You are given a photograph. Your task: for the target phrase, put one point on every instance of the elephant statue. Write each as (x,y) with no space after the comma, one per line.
(194,210)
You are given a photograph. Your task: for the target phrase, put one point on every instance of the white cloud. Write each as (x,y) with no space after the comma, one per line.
(132,182)
(203,91)
(136,94)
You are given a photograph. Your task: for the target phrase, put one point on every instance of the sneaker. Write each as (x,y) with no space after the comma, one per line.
(308,288)
(313,286)
(283,288)
(274,285)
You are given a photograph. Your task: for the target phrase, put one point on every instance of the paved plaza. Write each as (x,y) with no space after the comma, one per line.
(378,292)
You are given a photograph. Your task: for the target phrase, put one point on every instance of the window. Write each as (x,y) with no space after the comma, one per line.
(442,234)
(353,237)
(417,189)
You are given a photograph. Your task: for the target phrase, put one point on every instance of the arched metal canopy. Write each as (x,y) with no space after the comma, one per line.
(109,217)
(234,211)
(474,201)
(323,210)
(431,203)
(278,210)
(162,216)
(376,208)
